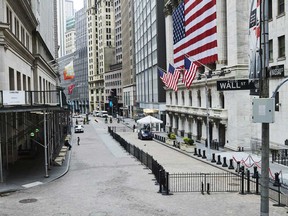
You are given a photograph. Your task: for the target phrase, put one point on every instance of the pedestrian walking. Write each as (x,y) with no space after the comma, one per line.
(78,140)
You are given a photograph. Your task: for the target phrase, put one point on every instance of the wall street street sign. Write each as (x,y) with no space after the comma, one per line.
(228,85)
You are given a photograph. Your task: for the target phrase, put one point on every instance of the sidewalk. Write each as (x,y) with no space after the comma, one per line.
(246,158)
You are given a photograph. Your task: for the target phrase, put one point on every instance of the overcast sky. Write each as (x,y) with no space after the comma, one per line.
(78,4)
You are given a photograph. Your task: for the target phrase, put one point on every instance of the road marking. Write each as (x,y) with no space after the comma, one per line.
(32,184)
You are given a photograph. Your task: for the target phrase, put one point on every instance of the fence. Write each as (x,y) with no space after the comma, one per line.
(142,156)
(240,181)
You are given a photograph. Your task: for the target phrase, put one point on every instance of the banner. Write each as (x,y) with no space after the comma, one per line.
(70,88)
(254,40)
(69,71)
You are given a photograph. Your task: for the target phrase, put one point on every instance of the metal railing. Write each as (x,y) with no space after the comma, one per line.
(142,156)
(34,98)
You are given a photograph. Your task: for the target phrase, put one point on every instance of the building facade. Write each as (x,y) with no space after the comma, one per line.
(27,48)
(229,121)
(150,53)
(101,51)
(128,60)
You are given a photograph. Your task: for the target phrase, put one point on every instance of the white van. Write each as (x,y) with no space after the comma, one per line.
(103,114)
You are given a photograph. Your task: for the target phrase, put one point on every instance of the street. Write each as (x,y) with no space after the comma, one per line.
(104,180)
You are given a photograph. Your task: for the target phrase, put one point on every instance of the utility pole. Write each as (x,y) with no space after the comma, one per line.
(264,93)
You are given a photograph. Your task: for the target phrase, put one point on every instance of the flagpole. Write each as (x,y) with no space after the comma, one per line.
(207,110)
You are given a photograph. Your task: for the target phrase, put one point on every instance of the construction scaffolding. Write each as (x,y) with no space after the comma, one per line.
(37,127)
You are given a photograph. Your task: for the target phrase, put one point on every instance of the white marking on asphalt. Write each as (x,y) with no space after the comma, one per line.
(32,184)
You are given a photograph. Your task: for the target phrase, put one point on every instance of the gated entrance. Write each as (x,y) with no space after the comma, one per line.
(199,182)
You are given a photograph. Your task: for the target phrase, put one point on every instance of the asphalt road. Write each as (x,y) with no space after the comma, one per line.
(104,180)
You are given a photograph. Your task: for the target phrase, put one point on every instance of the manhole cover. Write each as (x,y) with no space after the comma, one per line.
(28,200)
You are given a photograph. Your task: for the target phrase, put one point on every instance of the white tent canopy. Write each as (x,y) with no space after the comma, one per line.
(151,121)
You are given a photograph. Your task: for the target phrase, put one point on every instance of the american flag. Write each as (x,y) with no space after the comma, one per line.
(173,77)
(195,32)
(190,72)
(163,76)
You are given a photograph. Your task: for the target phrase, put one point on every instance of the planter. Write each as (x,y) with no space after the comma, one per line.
(190,148)
(170,141)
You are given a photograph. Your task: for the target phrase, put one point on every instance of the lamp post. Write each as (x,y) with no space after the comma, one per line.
(207,119)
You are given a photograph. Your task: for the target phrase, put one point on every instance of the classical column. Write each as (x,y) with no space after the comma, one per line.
(169,32)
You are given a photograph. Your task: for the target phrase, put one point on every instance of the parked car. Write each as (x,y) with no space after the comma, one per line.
(79,129)
(145,134)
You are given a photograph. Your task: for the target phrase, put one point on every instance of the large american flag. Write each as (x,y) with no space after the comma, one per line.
(190,72)
(194,31)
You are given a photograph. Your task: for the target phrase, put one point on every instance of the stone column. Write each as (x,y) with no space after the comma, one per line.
(169,33)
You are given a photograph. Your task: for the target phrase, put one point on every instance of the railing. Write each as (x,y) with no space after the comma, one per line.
(33,98)
(142,156)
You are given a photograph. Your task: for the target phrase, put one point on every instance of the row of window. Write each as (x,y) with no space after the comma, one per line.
(281,48)
(17,28)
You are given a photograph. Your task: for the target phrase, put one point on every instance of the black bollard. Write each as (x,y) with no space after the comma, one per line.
(202,188)
(248,180)
(199,153)
(224,162)
(195,151)
(231,164)
(219,160)
(257,182)
(242,182)
(204,154)
(255,172)
(213,158)
(277,180)
(238,167)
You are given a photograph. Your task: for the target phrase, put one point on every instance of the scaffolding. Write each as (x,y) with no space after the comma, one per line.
(36,127)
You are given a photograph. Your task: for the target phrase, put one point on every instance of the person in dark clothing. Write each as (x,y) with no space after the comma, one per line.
(78,140)
(66,143)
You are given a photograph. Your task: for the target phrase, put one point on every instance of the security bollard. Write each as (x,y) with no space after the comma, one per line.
(219,160)
(242,182)
(257,182)
(248,180)
(255,172)
(213,158)
(199,153)
(202,188)
(224,162)
(238,167)
(231,164)
(204,154)
(277,180)
(195,151)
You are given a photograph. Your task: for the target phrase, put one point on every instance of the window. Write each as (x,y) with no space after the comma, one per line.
(281,7)
(9,18)
(281,46)
(199,98)
(18,81)
(270,50)
(190,98)
(221,98)
(11,79)
(270,9)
